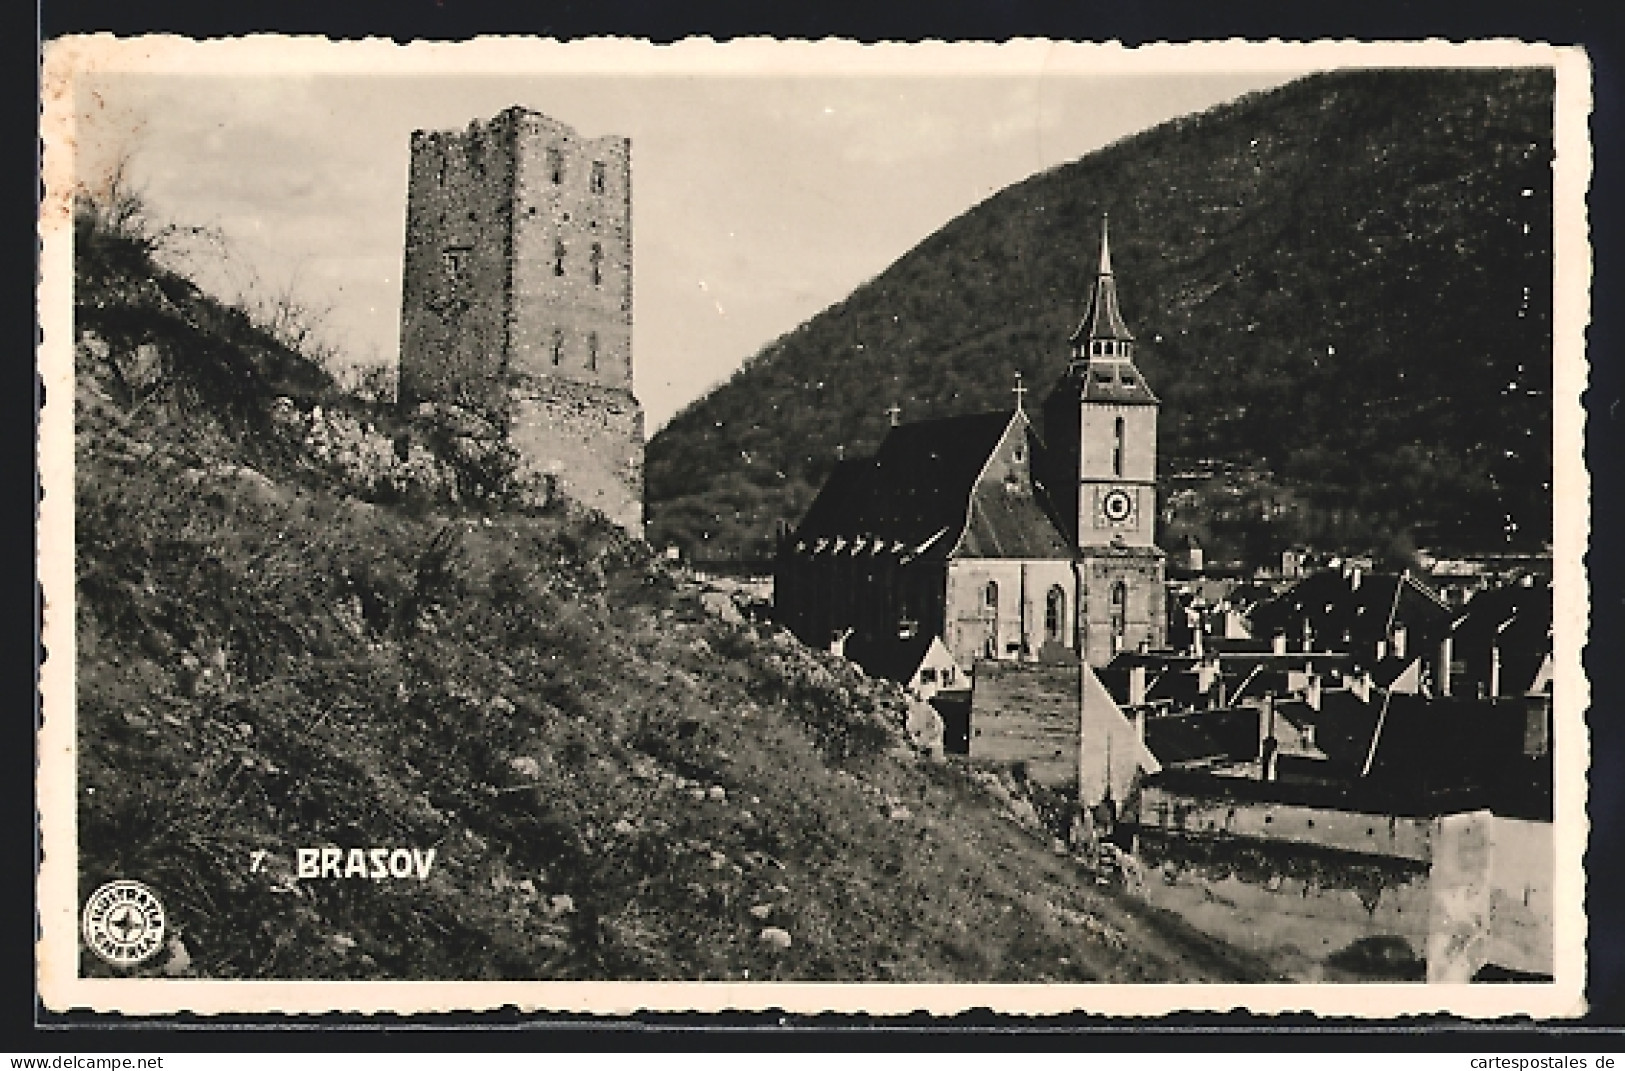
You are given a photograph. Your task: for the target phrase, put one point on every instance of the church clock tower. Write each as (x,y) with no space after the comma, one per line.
(1101,425)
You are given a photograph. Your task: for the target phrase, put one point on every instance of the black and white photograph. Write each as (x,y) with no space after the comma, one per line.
(601,526)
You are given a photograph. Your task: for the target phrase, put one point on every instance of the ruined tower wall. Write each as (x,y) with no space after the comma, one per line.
(456,280)
(517,297)
(589,439)
(572,277)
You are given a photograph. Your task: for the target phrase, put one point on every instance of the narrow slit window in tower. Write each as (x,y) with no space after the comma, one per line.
(592,351)
(1117,447)
(558,346)
(1055,615)
(555,165)
(598,176)
(597,259)
(558,256)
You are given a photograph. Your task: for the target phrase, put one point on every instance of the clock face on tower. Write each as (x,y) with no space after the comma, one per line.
(1116,507)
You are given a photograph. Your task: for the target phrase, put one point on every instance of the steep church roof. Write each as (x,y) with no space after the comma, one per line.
(915,496)
(1104,320)
(1102,368)
(1105,381)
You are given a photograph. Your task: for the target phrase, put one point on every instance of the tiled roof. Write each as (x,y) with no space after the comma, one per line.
(1011,525)
(1333,605)
(1181,738)
(915,497)
(1104,319)
(892,659)
(1525,611)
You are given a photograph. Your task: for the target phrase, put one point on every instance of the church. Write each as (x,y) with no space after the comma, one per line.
(976,530)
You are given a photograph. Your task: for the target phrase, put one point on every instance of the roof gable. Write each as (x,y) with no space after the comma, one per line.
(914,495)
(1007,515)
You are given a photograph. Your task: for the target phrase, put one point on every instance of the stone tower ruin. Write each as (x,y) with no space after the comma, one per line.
(517,297)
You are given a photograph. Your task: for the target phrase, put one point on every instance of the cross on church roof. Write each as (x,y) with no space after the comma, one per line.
(894,412)
(1019,390)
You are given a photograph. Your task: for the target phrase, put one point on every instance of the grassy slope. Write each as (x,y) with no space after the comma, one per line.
(1368,252)
(265,664)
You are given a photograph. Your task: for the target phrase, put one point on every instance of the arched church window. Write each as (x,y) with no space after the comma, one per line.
(1055,614)
(1117,447)
(990,595)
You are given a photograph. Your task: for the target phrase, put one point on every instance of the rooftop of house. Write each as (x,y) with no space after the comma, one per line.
(1517,613)
(892,658)
(1364,605)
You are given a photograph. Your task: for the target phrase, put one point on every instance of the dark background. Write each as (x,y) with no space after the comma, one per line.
(1593,24)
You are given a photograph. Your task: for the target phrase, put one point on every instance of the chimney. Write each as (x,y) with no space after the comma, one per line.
(1206,672)
(1278,643)
(1446,646)
(1399,642)
(1354,578)
(1136,686)
(1361,686)
(1268,745)
(1382,650)
(1311,693)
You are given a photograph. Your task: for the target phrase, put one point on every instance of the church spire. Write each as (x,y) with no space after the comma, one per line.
(1102,331)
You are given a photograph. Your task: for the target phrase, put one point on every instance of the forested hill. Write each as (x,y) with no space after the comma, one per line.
(1346,281)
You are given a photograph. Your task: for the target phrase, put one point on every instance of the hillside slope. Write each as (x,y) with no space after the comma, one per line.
(1346,281)
(305,640)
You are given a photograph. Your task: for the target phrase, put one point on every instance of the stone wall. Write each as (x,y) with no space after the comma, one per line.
(1029,713)
(1341,895)
(588,438)
(1014,628)
(456,278)
(1144,610)
(572,276)
(1318,916)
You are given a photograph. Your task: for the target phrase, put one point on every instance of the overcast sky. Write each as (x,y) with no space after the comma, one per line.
(757,200)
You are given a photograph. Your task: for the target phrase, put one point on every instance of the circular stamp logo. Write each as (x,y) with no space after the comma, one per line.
(123,923)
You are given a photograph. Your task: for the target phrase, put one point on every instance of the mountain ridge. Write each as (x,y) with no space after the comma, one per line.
(1374,235)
